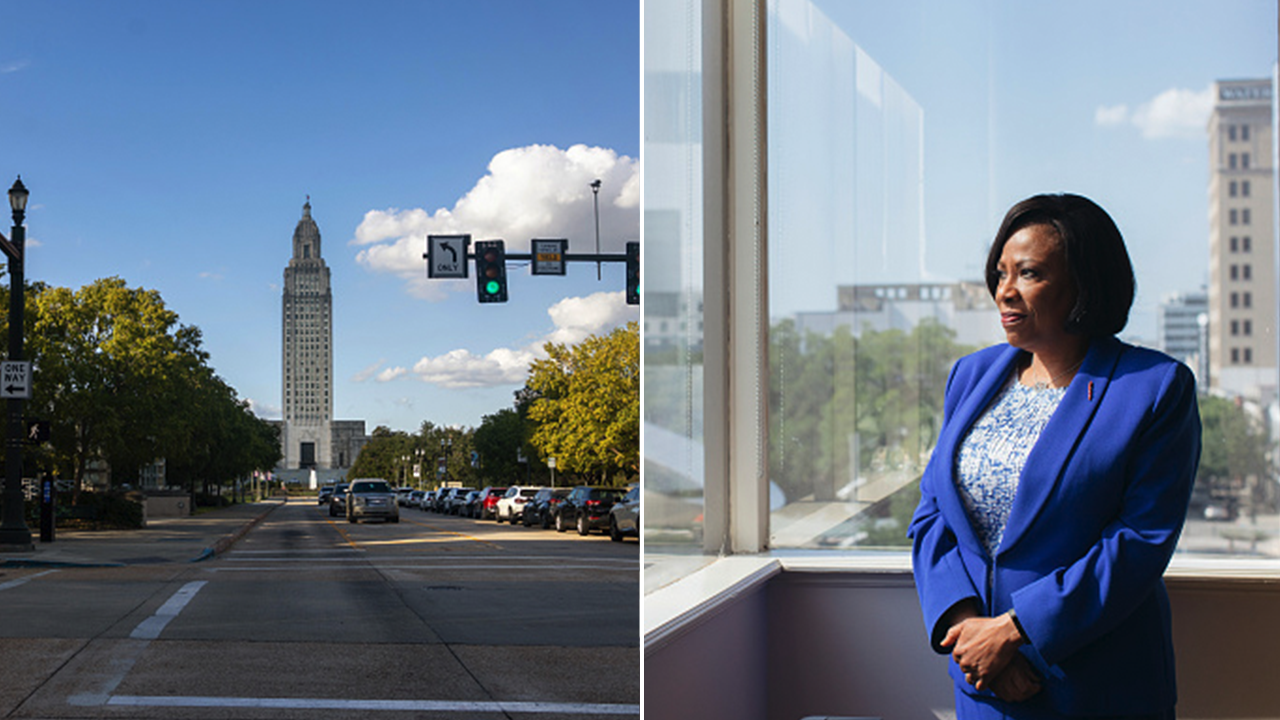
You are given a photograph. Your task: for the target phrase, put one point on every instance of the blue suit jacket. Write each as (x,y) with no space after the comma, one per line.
(1099,507)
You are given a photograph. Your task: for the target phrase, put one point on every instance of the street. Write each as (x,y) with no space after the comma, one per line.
(309,616)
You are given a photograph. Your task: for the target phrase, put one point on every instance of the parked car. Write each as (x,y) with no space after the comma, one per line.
(338,500)
(624,518)
(402,495)
(538,510)
(470,505)
(453,500)
(586,508)
(489,501)
(511,505)
(415,499)
(369,498)
(426,501)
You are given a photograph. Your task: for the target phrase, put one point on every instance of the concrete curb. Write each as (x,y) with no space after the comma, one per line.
(225,542)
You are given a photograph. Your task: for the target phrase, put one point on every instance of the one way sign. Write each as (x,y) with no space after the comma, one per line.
(15,380)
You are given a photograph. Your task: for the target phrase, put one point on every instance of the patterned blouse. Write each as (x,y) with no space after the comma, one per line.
(993,454)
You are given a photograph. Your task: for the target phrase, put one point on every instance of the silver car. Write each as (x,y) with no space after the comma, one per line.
(624,518)
(371,498)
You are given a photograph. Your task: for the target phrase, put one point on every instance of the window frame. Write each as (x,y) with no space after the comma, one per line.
(736,340)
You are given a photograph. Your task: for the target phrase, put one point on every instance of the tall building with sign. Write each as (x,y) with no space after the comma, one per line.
(1242,242)
(311,438)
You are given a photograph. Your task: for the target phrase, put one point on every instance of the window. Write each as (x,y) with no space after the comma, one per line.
(1235,356)
(1246,272)
(1232,188)
(1244,216)
(1247,299)
(1246,244)
(1248,327)
(1231,133)
(1248,355)
(832,338)
(674,452)
(1244,161)
(1235,327)
(1244,132)
(1244,188)
(1235,272)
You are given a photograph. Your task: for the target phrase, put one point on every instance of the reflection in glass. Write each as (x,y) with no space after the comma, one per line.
(672,289)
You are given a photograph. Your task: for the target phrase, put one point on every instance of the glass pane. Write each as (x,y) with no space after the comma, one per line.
(900,133)
(672,289)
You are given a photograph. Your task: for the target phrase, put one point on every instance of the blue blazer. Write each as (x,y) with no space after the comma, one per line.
(1098,510)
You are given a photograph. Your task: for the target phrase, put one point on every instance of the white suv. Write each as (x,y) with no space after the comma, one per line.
(511,505)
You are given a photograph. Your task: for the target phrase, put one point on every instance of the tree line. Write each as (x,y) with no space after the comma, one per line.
(124,383)
(844,408)
(580,405)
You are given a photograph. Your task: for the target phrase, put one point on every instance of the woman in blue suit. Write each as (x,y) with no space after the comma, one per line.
(1058,487)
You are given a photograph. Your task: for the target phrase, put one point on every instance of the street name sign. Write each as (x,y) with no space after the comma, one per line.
(15,380)
(548,256)
(447,256)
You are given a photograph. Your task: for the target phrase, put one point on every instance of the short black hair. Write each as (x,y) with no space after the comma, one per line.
(1096,259)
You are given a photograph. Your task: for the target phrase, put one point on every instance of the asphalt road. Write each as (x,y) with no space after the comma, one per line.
(308,616)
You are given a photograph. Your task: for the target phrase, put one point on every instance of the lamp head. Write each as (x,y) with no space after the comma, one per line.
(18,196)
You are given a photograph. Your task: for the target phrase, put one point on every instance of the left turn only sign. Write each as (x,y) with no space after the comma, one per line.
(15,380)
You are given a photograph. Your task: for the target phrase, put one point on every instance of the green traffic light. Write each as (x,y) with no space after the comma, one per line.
(492,287)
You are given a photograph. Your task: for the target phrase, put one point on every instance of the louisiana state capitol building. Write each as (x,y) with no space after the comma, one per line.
(310,437)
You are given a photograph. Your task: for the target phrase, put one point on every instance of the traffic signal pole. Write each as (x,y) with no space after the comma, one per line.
(484,257)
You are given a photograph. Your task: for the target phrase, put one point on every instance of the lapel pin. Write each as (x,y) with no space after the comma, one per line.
(1091,391)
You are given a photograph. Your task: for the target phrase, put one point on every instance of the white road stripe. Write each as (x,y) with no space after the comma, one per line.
(151,628)
(128,652)
(23,581)
(396,705)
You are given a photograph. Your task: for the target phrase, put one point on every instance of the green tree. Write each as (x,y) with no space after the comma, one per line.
(841,406)
(501,440)
(586,406)
(123,381)
(1233,447)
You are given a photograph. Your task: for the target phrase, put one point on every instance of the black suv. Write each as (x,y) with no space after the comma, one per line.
(586,508)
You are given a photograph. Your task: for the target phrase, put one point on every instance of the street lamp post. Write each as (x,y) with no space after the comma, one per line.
(595,197)
(14,533)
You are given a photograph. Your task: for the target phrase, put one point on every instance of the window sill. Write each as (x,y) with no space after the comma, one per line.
(684,604)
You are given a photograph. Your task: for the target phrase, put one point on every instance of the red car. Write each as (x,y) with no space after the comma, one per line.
(488,503)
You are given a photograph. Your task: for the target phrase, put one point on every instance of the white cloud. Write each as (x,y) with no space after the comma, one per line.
(368,372)
(573,318)
(264,410)
(528,192)
(391,374)
(1174,113)
(1113,115)
(12,67)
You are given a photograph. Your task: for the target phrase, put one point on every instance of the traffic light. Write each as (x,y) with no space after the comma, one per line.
(633,273)
(491,271)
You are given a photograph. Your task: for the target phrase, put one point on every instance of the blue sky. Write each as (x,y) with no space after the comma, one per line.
(173,144)
(1102,98)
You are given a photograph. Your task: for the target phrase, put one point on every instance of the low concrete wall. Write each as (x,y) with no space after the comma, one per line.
(167,506)
(850,643)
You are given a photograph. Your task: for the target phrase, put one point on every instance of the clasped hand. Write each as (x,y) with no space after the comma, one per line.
(986,649)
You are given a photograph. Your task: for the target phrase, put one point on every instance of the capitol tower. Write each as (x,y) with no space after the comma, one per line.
(308,352)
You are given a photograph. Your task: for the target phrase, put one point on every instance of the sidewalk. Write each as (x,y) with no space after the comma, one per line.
(164,540)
